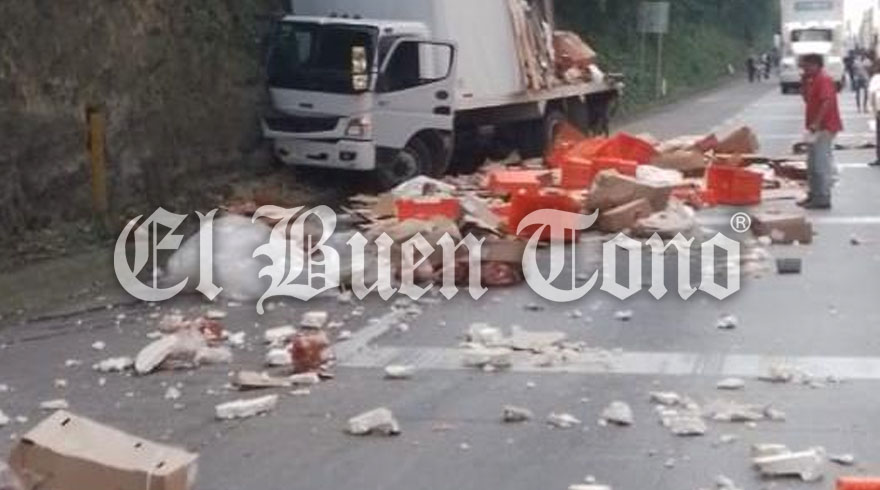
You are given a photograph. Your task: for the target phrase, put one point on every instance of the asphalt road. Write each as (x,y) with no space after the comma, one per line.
(823,320)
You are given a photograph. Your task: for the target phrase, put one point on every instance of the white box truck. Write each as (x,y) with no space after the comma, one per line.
(811,27)
(405,87)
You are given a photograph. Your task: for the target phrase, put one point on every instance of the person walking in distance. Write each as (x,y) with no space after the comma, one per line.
(823,123)
(861,75)
(751,68)
(874,99)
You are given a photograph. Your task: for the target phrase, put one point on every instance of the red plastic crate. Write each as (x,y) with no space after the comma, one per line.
(426,208)
(734,186)
(628,147)
(507,182)
(525,203)
(578,173)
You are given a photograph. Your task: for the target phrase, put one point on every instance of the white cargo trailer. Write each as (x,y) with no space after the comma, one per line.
(811,27)
(407,87)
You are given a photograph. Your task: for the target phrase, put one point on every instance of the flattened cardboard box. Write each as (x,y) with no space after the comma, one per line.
(68,452)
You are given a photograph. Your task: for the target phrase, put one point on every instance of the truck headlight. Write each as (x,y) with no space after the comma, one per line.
(359,127)
(789,63)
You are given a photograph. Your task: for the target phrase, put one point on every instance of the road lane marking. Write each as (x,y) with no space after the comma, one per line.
(629,363)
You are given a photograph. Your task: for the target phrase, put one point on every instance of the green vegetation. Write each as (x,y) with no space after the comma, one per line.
(706,37)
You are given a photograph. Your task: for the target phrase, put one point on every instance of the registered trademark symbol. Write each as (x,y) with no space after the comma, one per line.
(741,222)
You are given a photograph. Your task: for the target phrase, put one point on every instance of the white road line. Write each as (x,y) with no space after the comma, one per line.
(631,363)
(363,337)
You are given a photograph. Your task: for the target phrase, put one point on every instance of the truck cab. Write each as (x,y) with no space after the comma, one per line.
(360,94)
(812,38)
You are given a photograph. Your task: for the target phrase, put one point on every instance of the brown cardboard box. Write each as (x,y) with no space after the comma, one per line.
(572,52)
(610,190)
(68,452)
(783,227)
(742,141)
(624,217)
(685,161)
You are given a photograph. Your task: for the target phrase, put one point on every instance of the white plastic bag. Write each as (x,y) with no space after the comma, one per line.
(235,268)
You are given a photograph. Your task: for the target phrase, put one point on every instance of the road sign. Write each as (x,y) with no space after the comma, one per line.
(654,17)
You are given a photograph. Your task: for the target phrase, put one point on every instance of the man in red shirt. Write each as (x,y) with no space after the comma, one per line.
(823,122)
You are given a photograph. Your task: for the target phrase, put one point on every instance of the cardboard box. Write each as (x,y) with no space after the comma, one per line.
(742,141)
(684,161)
(610,190)
(624,217)
(783,227)
(68,452)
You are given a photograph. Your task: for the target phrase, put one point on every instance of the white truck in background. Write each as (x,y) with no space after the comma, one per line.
(406,87)
(812,27)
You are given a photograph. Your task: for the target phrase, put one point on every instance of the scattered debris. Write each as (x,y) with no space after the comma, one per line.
(114,365)
(279,336)
(173,393)
(305,379)
(99,345)
(241,409)
(623,315)
(514,414)
(666,398)
(215,314)
(379,420)
(588,487)
(307,350)
(481,357)
(399,372)
(278,358)
(842,459)
(618,413)
(731,411)
(53,405)
(731,384)
(314,319)
(724,483)
(4,419)
(728,322)
(808,465)
(789,265)
(251,380)
(563,420)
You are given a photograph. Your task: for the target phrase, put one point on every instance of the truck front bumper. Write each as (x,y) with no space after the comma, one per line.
(339,154)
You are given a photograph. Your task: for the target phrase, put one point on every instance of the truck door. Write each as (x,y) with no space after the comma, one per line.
(414,91)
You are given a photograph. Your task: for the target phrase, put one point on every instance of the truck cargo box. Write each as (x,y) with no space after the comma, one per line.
(488,66)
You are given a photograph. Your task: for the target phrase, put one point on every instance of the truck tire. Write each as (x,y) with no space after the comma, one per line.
(408,163)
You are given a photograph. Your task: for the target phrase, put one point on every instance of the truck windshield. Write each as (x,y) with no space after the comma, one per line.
(811,35)
(306,56)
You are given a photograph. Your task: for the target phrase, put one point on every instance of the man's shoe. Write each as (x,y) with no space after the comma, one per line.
(875,163)
(817,206)
(804,202)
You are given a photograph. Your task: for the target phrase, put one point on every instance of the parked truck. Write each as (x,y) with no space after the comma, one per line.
(403,88)
(812,27)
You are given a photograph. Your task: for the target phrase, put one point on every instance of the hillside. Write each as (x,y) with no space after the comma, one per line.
(705,38)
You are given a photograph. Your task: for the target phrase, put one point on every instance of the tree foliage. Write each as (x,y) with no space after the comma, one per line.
(706,38)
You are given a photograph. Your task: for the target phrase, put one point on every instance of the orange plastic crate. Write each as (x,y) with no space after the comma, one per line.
(525,203)
(427,208)
(628,147)
(578,173)
(507,182)
(734,186)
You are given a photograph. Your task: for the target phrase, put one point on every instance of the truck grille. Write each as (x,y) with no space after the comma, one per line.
(294,124)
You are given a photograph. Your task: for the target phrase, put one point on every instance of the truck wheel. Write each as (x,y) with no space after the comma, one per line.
(406,164)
